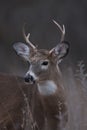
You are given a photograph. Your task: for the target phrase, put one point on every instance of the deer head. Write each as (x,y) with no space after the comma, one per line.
(42,62)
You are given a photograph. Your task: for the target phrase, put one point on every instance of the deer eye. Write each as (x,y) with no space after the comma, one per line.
(44,63)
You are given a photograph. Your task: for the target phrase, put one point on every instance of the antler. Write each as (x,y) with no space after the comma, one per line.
(26,37)
(62,36)
(61,29)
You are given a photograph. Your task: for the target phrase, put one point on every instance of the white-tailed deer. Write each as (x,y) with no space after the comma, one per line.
(48,105)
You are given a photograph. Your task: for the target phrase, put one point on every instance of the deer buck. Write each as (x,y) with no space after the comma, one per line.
(48,106)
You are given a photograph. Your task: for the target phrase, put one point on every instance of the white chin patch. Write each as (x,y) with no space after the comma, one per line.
(47,88)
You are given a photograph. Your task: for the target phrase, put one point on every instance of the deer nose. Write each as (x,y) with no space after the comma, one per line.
(29,78)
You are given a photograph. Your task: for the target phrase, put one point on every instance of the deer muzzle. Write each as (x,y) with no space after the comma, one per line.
(29,79)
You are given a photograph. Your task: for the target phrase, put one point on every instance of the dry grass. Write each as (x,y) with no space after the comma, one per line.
(76,90)
(75,84)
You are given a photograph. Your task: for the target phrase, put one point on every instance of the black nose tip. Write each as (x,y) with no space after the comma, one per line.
(26,79)
(29,78)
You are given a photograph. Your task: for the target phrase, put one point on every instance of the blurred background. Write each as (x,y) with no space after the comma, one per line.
(38,15)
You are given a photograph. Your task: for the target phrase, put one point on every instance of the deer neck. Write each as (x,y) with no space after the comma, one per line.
(50,85)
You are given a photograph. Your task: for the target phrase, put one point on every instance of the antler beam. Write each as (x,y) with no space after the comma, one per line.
(61,29)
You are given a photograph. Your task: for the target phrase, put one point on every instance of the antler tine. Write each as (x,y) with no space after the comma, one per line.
(61,29)
(26,37)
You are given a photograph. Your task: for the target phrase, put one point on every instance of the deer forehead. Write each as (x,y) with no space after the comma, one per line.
(39,55)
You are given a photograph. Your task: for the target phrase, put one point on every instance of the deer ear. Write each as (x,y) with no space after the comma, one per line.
(22,50)
(60,51)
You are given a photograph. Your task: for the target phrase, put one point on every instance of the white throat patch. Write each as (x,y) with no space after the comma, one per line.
(47,88)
